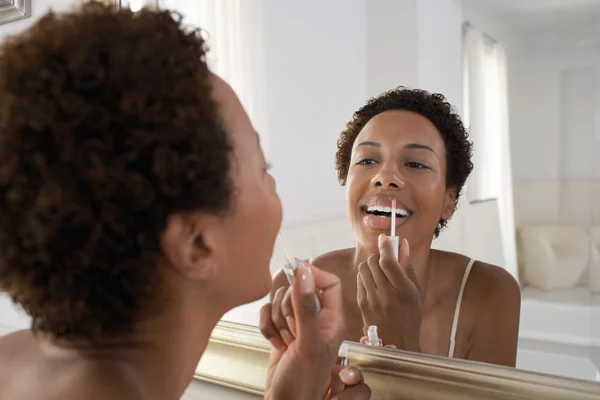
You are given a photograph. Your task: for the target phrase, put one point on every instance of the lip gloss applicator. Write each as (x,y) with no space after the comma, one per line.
(291,264)
(393,238)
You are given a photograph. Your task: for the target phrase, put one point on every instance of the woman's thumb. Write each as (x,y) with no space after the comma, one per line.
(306,304)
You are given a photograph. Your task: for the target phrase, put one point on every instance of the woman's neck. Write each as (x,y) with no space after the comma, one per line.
(175,342)
(163,354)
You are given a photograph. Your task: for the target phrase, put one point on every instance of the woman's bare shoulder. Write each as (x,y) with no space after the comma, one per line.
(15,344)
(329,260)
(495,280)
(485,280)
(57,377)
(97,381)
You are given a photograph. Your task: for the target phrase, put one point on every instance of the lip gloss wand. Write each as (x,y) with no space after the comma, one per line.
(393,238)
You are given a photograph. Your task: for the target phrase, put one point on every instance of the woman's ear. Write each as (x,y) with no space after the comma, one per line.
(449,203)
(189,244)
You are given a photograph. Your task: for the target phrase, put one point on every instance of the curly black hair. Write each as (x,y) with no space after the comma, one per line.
(436,109)
(107,127)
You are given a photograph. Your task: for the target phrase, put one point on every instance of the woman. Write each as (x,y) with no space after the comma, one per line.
(410,146)
(131,186)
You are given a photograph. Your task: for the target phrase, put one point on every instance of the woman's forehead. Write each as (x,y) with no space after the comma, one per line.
(392,127)
(236,120)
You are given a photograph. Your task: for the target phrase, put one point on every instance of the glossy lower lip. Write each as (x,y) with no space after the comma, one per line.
(381,224)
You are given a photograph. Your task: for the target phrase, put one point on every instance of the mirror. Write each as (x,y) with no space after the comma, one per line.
(524,77)
(12,10)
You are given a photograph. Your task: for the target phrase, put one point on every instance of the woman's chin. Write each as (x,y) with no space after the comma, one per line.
(262,288)
(369,242)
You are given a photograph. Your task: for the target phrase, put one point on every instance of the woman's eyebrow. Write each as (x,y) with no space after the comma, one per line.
(419,146)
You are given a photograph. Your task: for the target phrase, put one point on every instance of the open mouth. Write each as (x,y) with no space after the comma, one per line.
(385,212)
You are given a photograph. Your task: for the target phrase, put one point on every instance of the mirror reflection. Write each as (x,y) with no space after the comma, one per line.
(512,278)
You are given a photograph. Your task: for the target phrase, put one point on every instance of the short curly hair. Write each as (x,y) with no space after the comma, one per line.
(107,127)
(436,109)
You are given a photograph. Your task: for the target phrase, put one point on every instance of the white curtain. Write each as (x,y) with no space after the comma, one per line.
(233,29)
(486,112)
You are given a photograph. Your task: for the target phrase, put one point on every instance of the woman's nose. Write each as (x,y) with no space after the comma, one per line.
(388,178)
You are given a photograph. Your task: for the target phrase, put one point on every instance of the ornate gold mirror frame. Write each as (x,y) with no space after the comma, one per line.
(237,356)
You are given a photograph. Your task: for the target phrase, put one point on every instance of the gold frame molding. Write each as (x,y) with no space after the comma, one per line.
(237,355)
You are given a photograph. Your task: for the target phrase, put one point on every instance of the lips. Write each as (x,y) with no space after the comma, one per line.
(382,211)
(377,213)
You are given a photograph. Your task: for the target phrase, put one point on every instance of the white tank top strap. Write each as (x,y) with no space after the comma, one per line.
(457,309)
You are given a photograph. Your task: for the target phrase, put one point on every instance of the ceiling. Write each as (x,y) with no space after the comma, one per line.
(545,15)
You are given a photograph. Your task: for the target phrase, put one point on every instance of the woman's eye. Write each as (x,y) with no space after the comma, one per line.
(415,165)
(366,161)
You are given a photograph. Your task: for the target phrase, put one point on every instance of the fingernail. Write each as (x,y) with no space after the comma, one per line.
(291,324)
(407,247)
(307,282)
(382,239)
(347,375)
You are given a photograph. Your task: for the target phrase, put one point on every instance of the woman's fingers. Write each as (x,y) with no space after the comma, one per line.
(329,288)
(351,376)
(267,328)
(381,281)
(359,392)
(390,265)
(361,296)
(367,278)
(408,267)
(343,381)
(287,311)
(278,317)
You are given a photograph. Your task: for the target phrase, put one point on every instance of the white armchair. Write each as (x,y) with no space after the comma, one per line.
(595,260)
(553,256)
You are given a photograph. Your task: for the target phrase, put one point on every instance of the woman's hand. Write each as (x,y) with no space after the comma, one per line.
(305,344)
(390,297)
(347,384)
(300,365)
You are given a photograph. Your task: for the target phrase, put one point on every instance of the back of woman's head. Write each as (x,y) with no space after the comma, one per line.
(107,126)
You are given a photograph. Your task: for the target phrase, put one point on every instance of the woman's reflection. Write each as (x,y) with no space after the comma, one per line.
(411,146)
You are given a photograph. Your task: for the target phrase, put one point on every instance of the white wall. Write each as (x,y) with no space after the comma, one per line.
(559,91)
(555,143)
(316,67)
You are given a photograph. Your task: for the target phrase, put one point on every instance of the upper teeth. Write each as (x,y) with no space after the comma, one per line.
(399,211)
